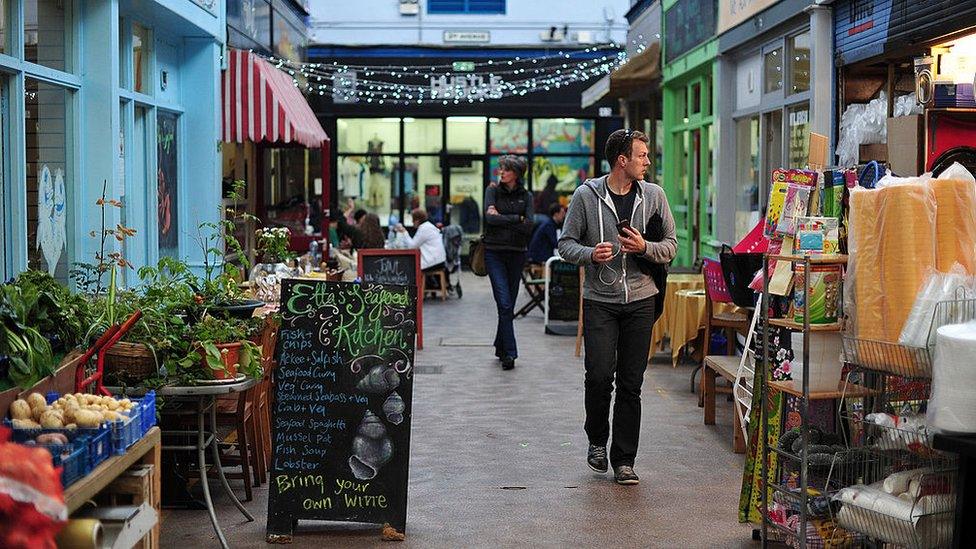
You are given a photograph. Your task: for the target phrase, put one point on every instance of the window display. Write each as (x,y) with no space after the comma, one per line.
(48,176)
(747,175)
(562,135)
(167,183)
(773,70)
(800,63)
(423,135)
(466,134)
(561,174)
(508,135)
(47,33)
(799,126)
(372,135)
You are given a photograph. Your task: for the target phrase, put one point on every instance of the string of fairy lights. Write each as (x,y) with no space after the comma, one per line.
(418,84)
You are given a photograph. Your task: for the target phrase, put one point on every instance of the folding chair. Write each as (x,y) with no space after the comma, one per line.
(535,287)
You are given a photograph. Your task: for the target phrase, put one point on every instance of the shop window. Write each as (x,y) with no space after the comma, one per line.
(681,104)
(679,206)
(423,135)
(47,33)
(800,63)
(562,136)
(49,177)
(3,26)
(167,184)
(421,187)
(772,134)
(368,135)
(747,175)
(799,126)
(556,177)
(696,98)
(371,182)
(292,197)
(3,188)
(140,58)
(508,135)
(467,194)
(466,134)
(773,70)
(466,6)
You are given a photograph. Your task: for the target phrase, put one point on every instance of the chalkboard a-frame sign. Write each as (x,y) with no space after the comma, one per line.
(396,267)
(563,288)
(341,419)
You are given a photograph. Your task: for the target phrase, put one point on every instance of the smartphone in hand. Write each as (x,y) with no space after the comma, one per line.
(621,226)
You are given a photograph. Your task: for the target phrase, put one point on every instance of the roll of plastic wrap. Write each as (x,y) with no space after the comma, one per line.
(81,534)
(952,407)
(898,483)
(825,361)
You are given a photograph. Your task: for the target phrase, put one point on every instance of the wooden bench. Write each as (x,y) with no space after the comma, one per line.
(728,368)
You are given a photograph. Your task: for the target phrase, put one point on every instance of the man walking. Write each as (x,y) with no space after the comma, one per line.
(605,229)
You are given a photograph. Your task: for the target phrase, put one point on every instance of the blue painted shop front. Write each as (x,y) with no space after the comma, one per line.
(119,95)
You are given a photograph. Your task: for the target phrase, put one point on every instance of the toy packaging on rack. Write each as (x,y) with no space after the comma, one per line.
(817,235)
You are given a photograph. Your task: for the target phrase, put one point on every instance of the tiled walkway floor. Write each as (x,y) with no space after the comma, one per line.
(497,458)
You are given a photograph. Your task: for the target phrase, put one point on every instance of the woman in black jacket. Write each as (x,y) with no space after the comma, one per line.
(508,228)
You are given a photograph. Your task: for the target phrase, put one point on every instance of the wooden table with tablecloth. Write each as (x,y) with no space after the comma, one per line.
(662,328)
(686,318)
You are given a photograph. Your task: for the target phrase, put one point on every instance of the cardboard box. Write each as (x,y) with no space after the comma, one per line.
(906,144)
(872,151)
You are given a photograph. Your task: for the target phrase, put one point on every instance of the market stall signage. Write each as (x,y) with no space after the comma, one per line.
(396,267)
(343,401)
(733,12)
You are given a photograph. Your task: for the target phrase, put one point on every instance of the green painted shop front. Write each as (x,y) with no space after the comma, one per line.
(689,130)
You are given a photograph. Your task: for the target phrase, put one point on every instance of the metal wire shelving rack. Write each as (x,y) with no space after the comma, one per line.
(835,499)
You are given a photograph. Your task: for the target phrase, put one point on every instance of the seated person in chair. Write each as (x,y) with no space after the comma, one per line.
(544,241)
(428,240)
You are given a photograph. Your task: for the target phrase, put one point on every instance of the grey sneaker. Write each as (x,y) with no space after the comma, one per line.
(596,458)
(625,475)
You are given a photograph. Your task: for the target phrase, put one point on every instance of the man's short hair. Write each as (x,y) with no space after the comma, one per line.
(621,142)
(419,215)
(359,214)
(555,208)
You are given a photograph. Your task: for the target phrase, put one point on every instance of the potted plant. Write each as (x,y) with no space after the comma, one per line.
(220,288)
(272,244)
(222,349)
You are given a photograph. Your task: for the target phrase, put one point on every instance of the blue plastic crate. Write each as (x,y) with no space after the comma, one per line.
(126,432)
(148,412)
(72,458)
(97,441)
(99,446)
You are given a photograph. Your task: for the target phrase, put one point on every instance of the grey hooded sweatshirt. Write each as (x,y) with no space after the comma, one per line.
(592,219)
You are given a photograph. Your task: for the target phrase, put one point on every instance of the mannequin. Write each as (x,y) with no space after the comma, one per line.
(378,188)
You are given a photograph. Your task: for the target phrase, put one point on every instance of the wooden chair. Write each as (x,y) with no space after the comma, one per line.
(731,323)
(442,288)
(249,413)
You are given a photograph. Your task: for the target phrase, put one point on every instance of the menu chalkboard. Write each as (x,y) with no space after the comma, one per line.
(343,401)
(396,267)
(562,295)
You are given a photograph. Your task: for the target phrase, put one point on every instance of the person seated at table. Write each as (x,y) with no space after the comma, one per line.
(544,240)
(364,231)
(427,239)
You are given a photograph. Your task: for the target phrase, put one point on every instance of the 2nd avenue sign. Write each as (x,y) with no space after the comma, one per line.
(468,37)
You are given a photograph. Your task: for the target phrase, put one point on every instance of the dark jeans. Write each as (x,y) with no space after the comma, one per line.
(505,272)
(617,338)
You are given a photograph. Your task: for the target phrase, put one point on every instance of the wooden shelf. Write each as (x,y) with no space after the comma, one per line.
(852,391)
(798,326)
(93,483)
(818,259)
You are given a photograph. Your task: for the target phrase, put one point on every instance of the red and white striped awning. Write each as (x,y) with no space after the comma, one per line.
(261,103)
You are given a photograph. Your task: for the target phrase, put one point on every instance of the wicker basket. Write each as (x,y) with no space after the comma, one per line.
(130,360)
